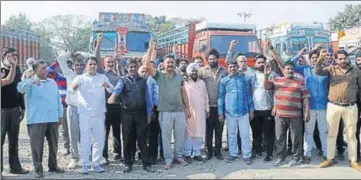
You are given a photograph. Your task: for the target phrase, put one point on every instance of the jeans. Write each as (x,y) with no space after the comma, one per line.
(243,125)
(320,117)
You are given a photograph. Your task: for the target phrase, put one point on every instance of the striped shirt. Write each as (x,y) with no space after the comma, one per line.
(288,96)
(60,81)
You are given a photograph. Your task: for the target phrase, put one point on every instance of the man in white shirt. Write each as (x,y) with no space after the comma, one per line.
(90,88)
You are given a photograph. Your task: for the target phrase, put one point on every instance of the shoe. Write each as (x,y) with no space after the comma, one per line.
(20,171)
(248,161)
(294,162)
(289,151)
(226,149)
(57,170)
(181,162)
(255,155)
(118,157)
(267,159)
(188,159)
(98,169)
(73,163)
(105,162)
(66,152)
(84,169)
(326,163)
(341,157)
(231,159)
(306,160)
(320,153)
(39,175)
(127,169)
(148,169)
(279,162)
(198,158)
(152,161)
(209,156)
(356,166)
(167,166)
(139,156)
(219,156)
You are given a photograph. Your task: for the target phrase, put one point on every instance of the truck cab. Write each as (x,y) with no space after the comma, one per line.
(289,38)
(351,39)
(128,33)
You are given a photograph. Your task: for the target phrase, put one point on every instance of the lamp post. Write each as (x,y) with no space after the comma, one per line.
(245,15)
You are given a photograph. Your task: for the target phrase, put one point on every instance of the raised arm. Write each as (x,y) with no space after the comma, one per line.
(25,85)
(152,71)
(10,77)
(97,53)
(229,57)
(63,65)
(276,56)
(268,85)
(322,71)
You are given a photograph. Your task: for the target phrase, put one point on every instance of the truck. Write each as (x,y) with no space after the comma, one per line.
(289,38)
(351,38)
(26,43)
(127,33)
(191,37)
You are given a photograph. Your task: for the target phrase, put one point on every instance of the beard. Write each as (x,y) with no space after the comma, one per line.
(359,66)
(260,68)
(213,64)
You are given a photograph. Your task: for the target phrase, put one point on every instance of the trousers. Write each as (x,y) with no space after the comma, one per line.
(214,126)
(74,131)
(112,120)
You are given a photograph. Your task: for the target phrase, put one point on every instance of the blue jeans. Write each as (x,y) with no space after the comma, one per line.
(242,122)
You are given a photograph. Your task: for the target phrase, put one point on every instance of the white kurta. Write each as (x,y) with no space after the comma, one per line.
(198,102)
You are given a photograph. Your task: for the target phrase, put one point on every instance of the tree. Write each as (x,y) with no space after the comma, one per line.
(20,21)
(350,17)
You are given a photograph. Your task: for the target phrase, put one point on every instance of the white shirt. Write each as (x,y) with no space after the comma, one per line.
(260,95)
(91,93)
(71,96)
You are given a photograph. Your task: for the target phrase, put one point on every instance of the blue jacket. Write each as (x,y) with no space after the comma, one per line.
(318,87)
(234,97)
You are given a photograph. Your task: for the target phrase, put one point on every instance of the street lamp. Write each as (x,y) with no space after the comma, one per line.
(244,15)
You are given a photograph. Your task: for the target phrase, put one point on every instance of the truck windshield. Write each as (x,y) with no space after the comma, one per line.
(244,43)
(323,40)
(298,43)
(136,41)
(108,42)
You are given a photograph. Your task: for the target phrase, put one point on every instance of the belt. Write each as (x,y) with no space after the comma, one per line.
(344,104)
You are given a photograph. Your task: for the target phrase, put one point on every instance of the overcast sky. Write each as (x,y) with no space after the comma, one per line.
(264,13)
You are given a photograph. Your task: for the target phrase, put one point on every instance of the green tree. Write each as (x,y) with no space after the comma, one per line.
(351,16)
(19,21)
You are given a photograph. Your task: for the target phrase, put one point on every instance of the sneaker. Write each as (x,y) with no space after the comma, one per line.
(66,152)
(181,162)
(248,161)
(326,163)
(73,163)
(85,169)
(188,159)
(198,158)
(320,153)
(219,156)
(268,159)
(226,148)
(293,162)
(98,169)
(167,166)
(306,160)
(279,162)
(118,157)
(231,159)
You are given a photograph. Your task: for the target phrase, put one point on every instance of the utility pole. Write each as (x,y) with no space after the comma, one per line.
(244,15)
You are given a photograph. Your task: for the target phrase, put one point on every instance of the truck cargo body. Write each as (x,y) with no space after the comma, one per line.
(26,43)
(190,38)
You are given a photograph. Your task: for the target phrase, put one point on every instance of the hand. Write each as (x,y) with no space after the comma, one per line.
(149,119)
(188,114)
(2,74)
(232,44)
(307,116)
(319,46)
(100,38)
(221,118)
(267,69)
(251,116)
(60,121)
(303,51)
(21,115)
(274,111)
(14,62)
(207,114)
(323,54)
(174,49)
(106,85)
(271,47)
(111,99)
(118,55)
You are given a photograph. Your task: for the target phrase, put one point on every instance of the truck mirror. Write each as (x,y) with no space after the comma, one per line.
(146,45)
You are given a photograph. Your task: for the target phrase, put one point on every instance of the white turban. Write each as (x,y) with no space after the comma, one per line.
(29,62)
(192,66)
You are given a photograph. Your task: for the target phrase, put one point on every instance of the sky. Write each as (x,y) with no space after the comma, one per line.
(264,14)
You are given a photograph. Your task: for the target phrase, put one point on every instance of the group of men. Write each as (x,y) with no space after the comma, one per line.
(276,100)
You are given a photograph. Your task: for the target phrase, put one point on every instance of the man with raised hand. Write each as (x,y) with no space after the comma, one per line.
(173,106)
(291,96)
(90,88)
(44,112)
(345,88)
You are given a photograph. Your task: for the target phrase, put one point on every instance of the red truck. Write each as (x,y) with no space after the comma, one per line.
(190,38)
(25,42)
